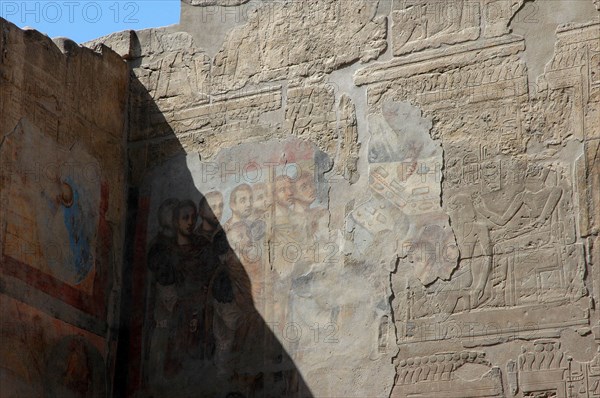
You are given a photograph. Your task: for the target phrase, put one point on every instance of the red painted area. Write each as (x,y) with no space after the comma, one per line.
(94,304)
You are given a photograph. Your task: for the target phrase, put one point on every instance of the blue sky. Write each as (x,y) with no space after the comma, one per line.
(83,20)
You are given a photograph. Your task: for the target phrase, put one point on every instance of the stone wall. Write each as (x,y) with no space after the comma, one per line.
(363,198)
(63,161)
(422,215)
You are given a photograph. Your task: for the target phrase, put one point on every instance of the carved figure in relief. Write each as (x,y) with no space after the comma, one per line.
(423,24)
(529,209)
(517,242)
(473,238)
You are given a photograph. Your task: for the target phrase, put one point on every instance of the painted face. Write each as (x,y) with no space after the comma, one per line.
(305,190)
(186,221)
(212,210)
(283,192)
(261,199)
(242,203)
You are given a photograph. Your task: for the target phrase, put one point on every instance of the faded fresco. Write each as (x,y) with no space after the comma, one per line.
(43,356)
(53,203)
(222,253)
(61,216)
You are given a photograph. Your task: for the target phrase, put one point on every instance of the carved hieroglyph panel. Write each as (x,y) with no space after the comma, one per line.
(260,50)
(508,188)
(448,375)
(545,369)
(171,71)
(428,24)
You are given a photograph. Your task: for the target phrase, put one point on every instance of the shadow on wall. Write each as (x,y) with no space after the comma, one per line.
(190,325)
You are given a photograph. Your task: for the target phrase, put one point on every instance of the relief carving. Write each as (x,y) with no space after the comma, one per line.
(545,370)
(441,374)
(422,24)
(260,52)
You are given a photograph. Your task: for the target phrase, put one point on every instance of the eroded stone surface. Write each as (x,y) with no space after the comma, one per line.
(259,51)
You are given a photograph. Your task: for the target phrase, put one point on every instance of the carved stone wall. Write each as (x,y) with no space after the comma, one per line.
(429,208)
(364,198)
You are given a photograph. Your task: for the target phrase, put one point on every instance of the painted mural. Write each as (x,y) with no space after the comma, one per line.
(54,252)
(53,228)
(53,196)
(222,245)
(42,356)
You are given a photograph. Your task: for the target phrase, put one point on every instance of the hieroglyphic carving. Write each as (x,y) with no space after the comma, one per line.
(346,163)
(498,13)
(576,50)
(440,375)
(169,71)
(517,243)
(511,212)
(259,51)
(205,127)
(429,24)
(545,370)
(310,112)
(490,72)
(422,24)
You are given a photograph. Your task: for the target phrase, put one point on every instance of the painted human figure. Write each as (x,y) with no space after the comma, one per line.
(191,336)
(162,293)
(302,215)
(240,202)
(210,232)
(262,200)
(237,324)
(70,220)
(210,209)
(284,199)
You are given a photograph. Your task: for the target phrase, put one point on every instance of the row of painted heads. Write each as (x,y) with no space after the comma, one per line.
(244,200)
